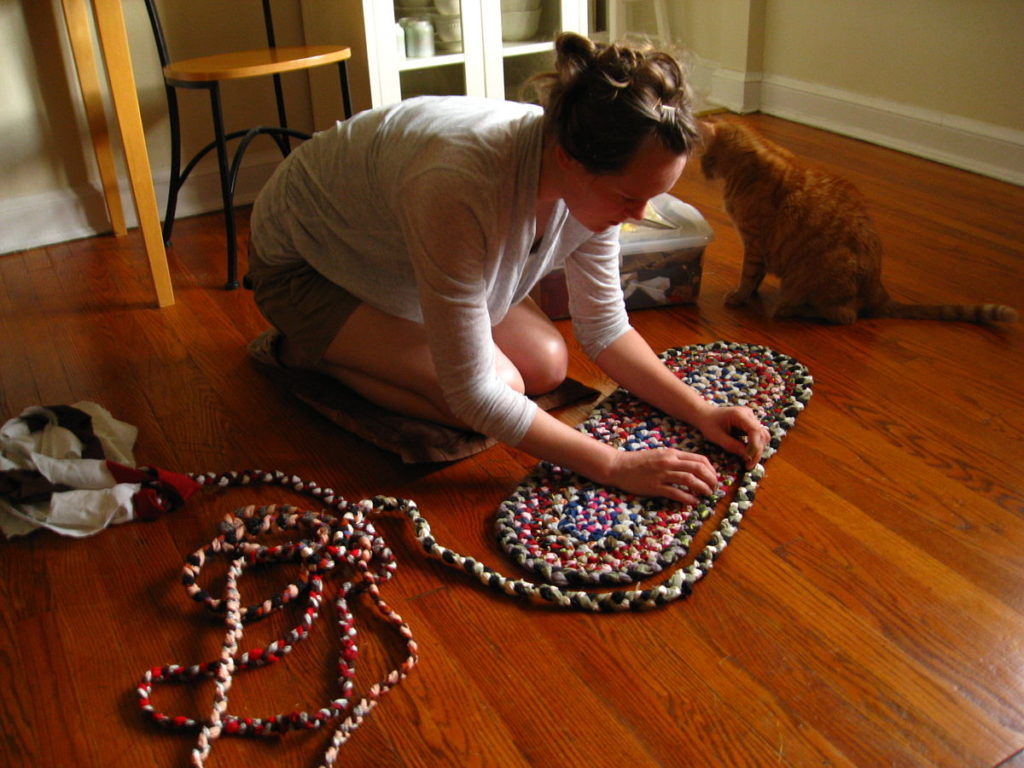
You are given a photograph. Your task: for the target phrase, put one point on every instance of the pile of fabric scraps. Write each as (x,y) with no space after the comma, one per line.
(70,469)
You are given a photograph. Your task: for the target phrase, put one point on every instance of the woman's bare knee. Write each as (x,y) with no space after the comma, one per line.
(509,373)
(363,356)
(534,346)
(547,366)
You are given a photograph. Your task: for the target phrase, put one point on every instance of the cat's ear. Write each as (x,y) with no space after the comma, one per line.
(707,131)
(707,160)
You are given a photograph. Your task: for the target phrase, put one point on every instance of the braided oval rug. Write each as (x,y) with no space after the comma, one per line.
(570,531)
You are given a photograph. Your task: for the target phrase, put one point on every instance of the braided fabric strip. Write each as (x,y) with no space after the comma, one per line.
(330,543)
(226,666)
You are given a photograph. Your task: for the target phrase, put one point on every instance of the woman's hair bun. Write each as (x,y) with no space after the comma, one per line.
(601,101)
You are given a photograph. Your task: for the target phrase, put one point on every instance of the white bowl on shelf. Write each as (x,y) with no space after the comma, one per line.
(414,10)
(440,47)
(450,7)
(519,5)
(519,25)
(447,28)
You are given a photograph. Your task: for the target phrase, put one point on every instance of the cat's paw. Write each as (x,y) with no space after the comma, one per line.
(737,298)
(840,315)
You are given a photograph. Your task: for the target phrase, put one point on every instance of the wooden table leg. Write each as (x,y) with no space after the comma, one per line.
(114,44)
(76,18)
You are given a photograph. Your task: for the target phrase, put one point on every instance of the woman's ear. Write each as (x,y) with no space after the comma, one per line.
(564,159)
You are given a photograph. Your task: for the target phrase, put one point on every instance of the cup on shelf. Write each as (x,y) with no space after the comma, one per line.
(448,28)
(519,25)
(419,37)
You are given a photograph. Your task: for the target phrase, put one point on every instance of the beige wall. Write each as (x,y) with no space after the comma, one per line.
(938,78)
(729,32)
(899,73)
(41,134)
(961,57)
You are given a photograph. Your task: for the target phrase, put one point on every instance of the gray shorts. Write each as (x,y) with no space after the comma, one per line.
(302,304)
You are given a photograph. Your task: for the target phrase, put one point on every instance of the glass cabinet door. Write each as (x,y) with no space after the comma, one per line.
(476,47)
(519,39)
(413,49)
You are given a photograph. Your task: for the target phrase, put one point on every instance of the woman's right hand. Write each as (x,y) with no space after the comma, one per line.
(666,472)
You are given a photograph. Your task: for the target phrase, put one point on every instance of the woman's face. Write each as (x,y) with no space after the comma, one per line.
(605,200)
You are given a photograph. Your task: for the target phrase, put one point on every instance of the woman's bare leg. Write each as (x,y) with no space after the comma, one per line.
(386,359)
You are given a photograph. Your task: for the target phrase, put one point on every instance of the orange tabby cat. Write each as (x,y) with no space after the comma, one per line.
(812,229)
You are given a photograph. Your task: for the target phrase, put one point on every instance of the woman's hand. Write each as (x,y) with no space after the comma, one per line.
(721,424)
(666,472)
(685,477)
(630,361)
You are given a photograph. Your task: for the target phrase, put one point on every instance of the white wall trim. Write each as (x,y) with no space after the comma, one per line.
(32,221)
(56,217)
(984,148)
(739,92)
(990,150)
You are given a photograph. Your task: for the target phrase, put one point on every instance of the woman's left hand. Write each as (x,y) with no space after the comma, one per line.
(721,424)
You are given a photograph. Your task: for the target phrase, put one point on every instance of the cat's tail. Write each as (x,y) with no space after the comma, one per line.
(968,313)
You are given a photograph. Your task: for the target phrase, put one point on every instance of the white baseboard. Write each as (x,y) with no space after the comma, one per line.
(990,150)
(739,92)
(53,217)
(56,217)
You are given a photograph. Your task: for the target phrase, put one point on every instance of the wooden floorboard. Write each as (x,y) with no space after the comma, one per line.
(870,612)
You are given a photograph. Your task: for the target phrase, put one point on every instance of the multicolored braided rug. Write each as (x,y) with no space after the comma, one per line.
(569,531)
(573,534)
(576,537)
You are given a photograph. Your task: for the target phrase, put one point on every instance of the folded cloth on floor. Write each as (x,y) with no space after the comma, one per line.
(415,440)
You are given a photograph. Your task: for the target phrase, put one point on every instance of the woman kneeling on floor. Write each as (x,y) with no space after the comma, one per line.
(395,252)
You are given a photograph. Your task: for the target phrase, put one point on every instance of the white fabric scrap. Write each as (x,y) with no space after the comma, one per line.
(96,501)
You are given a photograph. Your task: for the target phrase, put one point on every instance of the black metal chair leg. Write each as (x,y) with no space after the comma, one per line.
(282,118)
(346,96)
(176,178)
(225,186)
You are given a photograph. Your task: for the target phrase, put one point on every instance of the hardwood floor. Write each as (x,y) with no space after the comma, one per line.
(869,613)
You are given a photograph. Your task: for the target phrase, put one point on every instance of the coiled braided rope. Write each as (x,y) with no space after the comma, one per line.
(330,543)
(774,385)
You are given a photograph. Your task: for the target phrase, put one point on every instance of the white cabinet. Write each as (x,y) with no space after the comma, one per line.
(483,63)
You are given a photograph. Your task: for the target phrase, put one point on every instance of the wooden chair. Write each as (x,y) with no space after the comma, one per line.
(209,72)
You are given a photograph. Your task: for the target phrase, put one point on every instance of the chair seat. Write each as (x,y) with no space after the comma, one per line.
(207,73)
(265,61)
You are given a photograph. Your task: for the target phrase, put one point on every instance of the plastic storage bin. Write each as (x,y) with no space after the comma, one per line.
(661,260)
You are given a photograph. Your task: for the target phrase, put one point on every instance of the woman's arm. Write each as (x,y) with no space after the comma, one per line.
(631,362)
